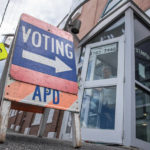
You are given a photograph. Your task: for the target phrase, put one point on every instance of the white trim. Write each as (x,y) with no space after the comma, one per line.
(50,116)
(76,14)
(26,131)
(63,134)
(37,119)
(12,126)
(103,22)
(129,85)
(13,113)
(51,134)
(103,83)
(106,135)
(114,7)
(108,20)
(17,128)
(148,12)
(142,85)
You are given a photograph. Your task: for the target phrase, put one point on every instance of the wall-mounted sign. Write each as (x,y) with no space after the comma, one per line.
(110,48)
(3,52)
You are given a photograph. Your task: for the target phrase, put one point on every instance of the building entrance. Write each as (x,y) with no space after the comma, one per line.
(101,91)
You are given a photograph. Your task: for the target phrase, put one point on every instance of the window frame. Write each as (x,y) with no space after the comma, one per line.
(37,119)
(108,3)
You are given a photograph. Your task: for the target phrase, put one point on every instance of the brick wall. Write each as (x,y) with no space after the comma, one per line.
(26,121)
(92,11)
(11,121)
(143,4)
(90,15)
(34,130)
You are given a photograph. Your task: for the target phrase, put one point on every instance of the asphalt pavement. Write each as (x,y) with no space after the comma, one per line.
(16,141)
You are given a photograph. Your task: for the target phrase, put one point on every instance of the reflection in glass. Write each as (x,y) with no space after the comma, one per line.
(142,62)
(116,29)
(103,62)
(98,108)
(142,115)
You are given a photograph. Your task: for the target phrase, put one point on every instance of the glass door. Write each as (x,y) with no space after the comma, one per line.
(101,92)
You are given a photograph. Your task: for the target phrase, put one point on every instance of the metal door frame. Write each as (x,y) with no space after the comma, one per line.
(106,135)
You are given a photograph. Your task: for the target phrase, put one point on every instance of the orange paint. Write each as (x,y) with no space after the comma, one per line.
(17,91)
(65,102)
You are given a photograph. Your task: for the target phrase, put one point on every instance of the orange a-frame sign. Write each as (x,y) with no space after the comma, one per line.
(35,78)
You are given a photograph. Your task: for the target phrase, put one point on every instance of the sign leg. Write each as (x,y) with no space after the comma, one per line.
(43,122)
(4,116)
(76,130)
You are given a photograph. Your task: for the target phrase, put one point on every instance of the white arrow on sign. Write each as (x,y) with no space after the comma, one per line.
(57,63)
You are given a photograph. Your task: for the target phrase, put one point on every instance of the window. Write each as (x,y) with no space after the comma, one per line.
(142,68)
(142,114)
(50,116)
(142,80)
(76,3)
(98,108)
(117,29)
(110,5)
(103,62)
(148,12)
(37,119)
(13,113)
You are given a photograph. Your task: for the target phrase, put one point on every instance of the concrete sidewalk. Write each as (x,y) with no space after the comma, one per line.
(23,142)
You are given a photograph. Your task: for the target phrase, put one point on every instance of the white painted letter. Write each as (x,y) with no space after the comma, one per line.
(25,34)
(46,37)
(38,44)
(52,44)
(69,54)
(59,47)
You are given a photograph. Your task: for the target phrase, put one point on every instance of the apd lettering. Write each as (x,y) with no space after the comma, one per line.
(46,92)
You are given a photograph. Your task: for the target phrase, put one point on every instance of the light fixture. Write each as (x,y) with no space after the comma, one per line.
(75,26)
(144,124)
